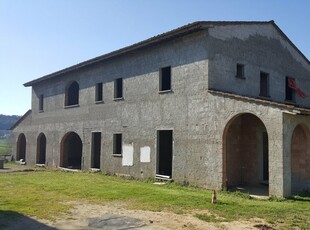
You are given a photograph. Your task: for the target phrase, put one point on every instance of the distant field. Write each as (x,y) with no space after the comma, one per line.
(5,147)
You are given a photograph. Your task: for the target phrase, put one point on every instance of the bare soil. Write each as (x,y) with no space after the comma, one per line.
(114,216)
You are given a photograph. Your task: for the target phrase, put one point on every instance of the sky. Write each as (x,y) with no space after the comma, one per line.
(39,37)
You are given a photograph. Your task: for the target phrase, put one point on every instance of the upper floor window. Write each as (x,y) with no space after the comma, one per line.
(72,94)
(118,88)
(99,92)
(264,84)
(289,89)
(41,102)
(240,71)
(165,79)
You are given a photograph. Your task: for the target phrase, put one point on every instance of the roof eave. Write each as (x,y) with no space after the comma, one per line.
(20,119)
(179,32)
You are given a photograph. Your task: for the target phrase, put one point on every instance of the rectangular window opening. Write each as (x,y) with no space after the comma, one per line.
(41,102)
(264,84)
(289,92)
(165,79)
(240,71)
(99,92)
(118,88)
(117,144)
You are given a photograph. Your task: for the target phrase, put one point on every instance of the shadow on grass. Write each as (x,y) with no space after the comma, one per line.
(10,220)
(303,196)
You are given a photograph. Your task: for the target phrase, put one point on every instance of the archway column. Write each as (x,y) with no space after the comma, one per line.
(279,160)
(280,157)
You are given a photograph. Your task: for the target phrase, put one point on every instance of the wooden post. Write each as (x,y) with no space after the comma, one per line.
(213,201)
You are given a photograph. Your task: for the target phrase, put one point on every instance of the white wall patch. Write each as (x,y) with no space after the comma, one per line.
(127,159)
(145,154)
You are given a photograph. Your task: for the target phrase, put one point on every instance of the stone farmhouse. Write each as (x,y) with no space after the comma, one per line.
(212,104)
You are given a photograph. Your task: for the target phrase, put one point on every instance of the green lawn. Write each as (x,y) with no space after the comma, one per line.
(44,194)
(5,147)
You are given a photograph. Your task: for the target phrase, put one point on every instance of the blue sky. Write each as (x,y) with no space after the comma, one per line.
(38,37)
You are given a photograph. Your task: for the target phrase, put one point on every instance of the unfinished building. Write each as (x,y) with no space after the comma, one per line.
(213,104)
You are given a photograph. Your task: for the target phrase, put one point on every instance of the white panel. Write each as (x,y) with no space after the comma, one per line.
(145,154)
(127,159)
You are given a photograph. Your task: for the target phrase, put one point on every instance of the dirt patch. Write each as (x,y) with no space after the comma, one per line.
(114,216)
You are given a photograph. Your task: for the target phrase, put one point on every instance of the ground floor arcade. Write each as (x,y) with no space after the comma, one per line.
(252,146)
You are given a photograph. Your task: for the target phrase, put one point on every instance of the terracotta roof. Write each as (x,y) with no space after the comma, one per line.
(21,119)
(179,32)
(290,107)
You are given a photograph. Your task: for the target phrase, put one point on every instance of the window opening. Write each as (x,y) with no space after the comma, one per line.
(118,88)
(99,92)
(72,94)
(264,84)
(240,71)
(289,91)
(41,102)
(165,79)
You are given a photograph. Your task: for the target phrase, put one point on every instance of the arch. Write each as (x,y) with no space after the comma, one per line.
(21,147)
(245,152)
(41,149)
(300,159)
(72,94)
(71,151)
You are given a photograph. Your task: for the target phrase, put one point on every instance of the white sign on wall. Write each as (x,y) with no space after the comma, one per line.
(145,154)
(127,159)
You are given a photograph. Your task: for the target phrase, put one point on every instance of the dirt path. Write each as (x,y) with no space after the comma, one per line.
(114,216)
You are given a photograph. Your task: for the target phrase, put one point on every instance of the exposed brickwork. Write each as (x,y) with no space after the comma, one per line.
(244,152)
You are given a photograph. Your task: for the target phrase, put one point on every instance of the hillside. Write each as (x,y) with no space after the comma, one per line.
(6,122)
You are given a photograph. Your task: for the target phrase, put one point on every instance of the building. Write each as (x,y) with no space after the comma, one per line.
(213,104)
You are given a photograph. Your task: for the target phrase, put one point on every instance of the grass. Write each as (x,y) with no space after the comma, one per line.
(5,147)
(46,194)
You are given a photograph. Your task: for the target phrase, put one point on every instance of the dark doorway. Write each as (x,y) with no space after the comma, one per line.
(164,152)
(41,149)
(71,151)
(265,157)
(95,150)
(21,147)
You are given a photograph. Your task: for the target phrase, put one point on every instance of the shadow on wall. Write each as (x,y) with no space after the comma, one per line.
(16,221)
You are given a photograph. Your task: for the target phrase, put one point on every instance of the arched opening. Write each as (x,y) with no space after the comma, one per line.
(72,94)
(21,147)
(300,159)
(71,151)
(41,149)
(245,155)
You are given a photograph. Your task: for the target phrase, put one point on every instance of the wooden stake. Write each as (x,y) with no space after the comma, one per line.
(213,201)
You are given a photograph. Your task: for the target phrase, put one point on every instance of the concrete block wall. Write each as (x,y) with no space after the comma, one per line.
(138,116)
(261,49)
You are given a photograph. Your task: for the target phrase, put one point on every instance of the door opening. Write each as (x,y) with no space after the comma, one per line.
(96,150)
(164,152)
(265,157)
